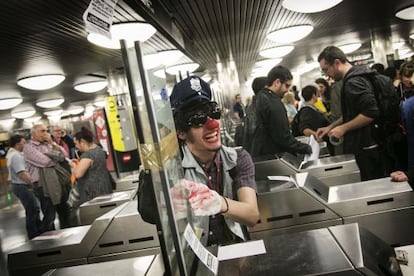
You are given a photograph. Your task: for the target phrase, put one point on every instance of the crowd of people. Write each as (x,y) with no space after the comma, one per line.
(219,180)
(340,108)
(43,171)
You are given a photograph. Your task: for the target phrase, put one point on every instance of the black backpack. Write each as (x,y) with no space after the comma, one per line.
(388,122)
(294,125)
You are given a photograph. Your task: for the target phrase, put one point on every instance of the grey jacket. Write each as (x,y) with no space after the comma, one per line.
(194,172)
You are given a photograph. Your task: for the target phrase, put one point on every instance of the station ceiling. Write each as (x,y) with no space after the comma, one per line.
(49,36)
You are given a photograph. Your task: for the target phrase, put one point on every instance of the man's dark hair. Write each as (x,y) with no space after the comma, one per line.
(15,139)
(84,134)
(380,68)
(391,72)
(308,91)
(278,72)
(258,84)
(236,96)
(331,53)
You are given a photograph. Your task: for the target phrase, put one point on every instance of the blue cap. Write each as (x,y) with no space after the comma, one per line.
(189,92)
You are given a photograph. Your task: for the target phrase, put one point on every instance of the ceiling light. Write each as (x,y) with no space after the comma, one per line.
(54,112)
(100,103)
(412,36)
(54,119)
(91,86)
(75,109)
(7,122)
(277,52)
(130,32)
(8,103)
(170,56)
(183,68)
(23,113)
(49,103)
(268,63)
(349,48)
(398,44)
(160,74)
(33,119)
(41,82)
(306,6)
(406,13)
(151,61)
(290,34)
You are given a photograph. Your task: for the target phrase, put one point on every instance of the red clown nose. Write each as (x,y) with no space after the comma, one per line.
(211,124)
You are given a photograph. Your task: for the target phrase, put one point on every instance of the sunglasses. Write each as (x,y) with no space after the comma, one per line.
(198,120)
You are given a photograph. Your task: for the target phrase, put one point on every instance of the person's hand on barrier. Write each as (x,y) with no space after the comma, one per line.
(203,200)
(398,176)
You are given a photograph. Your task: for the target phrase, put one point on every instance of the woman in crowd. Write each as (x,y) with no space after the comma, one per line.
(92,175)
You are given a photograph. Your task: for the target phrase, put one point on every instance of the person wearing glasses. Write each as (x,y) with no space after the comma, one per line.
(273,135)
(359,109)
(51,197)
(219,180)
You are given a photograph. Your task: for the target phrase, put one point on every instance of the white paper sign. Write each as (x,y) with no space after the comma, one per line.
(208,259)
(315,150)
(242,249)
(98,16)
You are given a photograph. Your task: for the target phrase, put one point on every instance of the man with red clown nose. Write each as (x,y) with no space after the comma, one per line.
(219,181)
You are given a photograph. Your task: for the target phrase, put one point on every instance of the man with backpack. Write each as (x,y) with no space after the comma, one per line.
(359,112)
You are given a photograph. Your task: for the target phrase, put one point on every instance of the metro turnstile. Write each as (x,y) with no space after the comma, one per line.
(333,170)
(151,265)
(98,206)
(383,207)
(285,207)
(83,244)
(129,182)
(337,250)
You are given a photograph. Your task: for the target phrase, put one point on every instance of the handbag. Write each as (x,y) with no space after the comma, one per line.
(74,196)
(147,205)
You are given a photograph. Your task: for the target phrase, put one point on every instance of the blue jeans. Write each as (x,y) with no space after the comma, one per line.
(48,210)
(31,206)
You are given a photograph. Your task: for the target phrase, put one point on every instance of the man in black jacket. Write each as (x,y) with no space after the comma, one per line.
(359,109)
(273,135)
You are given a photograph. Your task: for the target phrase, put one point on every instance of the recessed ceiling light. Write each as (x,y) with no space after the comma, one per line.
(33,119)
(75,109)
(159,74)
(349,48)
(100,103)
(23,113)
(398,44)
(406,13)
(170,56)
(129,31)
(151,61)
(41,82)
(49,103)
(268,63)
(306,6)
(183,68)
(8,103)
(290,34)
(91,86)
(54,112)
(7,122)
(277,52)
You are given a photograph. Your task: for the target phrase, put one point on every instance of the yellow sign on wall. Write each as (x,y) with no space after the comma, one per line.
(114,124)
